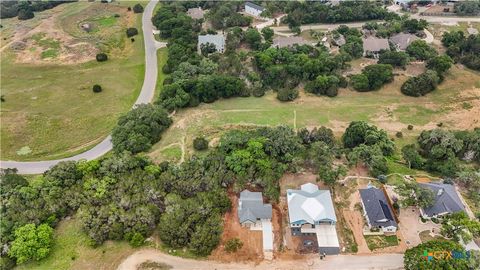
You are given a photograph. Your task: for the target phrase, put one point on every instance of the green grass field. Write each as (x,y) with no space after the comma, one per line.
(50,110)
(71,251)
(387,108)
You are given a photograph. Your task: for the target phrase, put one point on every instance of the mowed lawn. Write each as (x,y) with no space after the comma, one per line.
(71,251)
(388,108)
(50,110)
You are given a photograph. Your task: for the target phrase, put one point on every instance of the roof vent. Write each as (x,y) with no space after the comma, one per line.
(440,192)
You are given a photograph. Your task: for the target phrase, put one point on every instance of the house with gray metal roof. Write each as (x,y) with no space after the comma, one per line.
(311,212)
(377,210)
(373,45)
(217,40)
(402,40)
(251,209)
(447,200)
(253,9)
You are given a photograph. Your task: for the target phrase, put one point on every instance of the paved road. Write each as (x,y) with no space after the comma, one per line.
(146,95)
(339,262)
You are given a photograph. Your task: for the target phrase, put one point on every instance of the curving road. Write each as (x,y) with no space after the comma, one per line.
(146,96)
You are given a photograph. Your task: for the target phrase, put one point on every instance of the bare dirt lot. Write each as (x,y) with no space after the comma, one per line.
(252,240)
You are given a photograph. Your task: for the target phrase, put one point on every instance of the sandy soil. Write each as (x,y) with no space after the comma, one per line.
(252,249)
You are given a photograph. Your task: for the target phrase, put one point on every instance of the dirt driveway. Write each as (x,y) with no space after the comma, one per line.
(411,226)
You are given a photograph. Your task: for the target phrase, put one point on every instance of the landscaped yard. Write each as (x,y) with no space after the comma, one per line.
(387,108)
(381,241)
(50,110)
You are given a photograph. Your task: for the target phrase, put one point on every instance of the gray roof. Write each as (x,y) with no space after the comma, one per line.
(377,208)
(402,40)
(195,13)
(310,205)
(373,44)
(255,6)
(281,42)
(251,207)
(218,40)
(340,41)
(446,199)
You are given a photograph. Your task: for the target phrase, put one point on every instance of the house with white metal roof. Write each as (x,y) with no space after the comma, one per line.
(311,212)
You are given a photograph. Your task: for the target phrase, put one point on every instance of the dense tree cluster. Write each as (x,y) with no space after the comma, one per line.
(460,227)
(414,194)
(206,88)
(420,50)
(467,8)
(225,14)
(395,24)
(465,50)
(353,41)
(296,64)
(414,258)
(299,13)
(440,150)
(140,128)
(394,58)
(372,77)
(25,9)
(421,84)
(368,144)
(181,30)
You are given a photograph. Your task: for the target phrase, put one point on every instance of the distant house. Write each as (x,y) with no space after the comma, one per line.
(447,200)
(282,42)
(472,31)
(256,215)
(195,13)
(402,40)
(311,212)
(377,211)
(253,9)
(217,40)
(372,46)
(339,40)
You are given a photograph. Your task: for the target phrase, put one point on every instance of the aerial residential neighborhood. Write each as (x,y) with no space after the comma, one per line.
(162,135)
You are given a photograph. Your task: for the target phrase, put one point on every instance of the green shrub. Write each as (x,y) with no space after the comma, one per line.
(97,88)
(138,8)
(232,245)
(137,240)
(200,144)
(132,32)
(101,57)
(287,94)
(25,14)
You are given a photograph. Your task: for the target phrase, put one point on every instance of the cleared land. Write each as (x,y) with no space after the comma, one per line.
(50,110)
(456,104)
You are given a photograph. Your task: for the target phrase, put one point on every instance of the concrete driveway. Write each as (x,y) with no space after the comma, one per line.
(411,226)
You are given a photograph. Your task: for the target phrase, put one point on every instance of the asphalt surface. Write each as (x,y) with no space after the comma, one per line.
(146,96)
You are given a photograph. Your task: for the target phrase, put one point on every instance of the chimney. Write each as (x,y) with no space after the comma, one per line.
(440,192)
